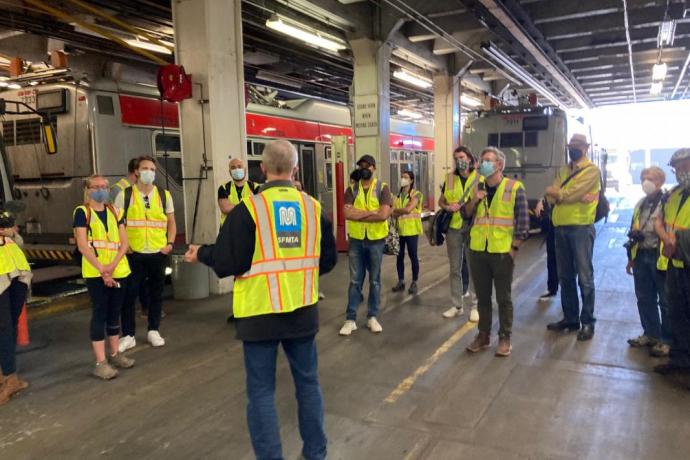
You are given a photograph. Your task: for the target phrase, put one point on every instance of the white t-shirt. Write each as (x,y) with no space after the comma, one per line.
(169,209)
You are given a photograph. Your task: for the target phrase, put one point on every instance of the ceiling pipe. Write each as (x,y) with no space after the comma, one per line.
(630,55)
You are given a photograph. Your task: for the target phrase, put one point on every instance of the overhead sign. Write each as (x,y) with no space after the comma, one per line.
(366,115)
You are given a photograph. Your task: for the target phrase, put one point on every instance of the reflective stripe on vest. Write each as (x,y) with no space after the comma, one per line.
(454,192)
(410,224)
(11,257)
(676,218)
(146,228)
(105,243)
(492,228)
(576,213)
(367,202)
(281,279)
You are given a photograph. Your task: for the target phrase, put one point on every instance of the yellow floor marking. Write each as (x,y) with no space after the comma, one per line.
(406,384)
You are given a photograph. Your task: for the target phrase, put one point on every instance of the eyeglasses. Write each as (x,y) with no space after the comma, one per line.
(147,203)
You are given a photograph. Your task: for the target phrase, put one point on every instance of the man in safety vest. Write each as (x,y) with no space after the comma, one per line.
(500,225)
(276,244)
(456,191)
(673,224)
(575,194)
(126,181)
(151,230)
(232,193)
(368,204)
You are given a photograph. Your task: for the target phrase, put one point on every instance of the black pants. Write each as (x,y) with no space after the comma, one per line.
(551,266)
(11,303)
(465,271)
(106,304)
(149,267)
(678,298)
(411,242)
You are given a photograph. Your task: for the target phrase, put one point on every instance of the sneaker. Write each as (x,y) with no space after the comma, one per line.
(155,339)
(548,295)
(452,312)
(104,371)
(642,341)
(504,347)
(321,295)
(126,342)
(413,288)
(374,325)
(474,316)
(481,342)
(399,287)
(660,350)
(121,361)
(466,293)
(348,328)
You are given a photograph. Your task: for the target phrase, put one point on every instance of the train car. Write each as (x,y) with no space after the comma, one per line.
(102,125)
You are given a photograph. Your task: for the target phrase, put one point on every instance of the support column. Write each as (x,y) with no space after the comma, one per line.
(446,126)
(208,42)
(371,102)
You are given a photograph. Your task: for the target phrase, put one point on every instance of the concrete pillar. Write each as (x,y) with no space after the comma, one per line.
(208,42)
(446,125)
(371,102)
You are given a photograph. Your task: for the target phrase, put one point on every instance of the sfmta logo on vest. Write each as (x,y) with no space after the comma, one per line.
(288,221)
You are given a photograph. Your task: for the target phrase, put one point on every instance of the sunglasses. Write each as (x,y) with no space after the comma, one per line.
(147,203)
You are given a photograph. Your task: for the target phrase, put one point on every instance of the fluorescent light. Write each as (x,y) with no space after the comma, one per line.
(659,72)
(148,46)
(470,101)
(656,88)
(4,78)
(410,114)
(667,31)
(312,38)
(33,83)
(3,84)
(14,86)
(413,78)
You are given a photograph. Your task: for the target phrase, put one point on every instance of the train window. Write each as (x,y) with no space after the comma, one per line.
(493,140)
(255,174)
(105,105)
(249,149)
(172,167)
(511,140)
(531,138)
(328,164)
(258,148)
(168,143)
(394,155)
(535,123)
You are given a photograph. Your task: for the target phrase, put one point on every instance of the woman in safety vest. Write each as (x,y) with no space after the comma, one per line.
(15,278)
(101,238)
(408,211)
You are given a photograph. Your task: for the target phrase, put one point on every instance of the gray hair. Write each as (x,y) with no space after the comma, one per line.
(500,156)
(279,157)
(655,172)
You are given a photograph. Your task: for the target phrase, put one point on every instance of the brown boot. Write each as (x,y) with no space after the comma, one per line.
(504,347)
(481,342)
(12,386)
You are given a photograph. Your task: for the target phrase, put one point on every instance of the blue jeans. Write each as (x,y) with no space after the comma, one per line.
(364,256)
(649,289)
(574,251)
(262,418)
(678,298)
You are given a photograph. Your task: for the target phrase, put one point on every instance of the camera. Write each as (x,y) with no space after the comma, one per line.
(636,236)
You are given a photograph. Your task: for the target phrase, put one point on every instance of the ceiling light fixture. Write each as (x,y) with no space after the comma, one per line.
(299,31)
(466,99)
(656,88)
(14,86)
(410,114)
(413,78)
(3,84)
(148,46)
(659,71)
(667,31)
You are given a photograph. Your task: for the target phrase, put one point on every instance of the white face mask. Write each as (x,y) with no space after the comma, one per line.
(648,187)
(237,174)
(147,176)
(404,182)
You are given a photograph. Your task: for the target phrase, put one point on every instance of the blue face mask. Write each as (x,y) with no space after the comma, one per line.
(487,168)
(99,196)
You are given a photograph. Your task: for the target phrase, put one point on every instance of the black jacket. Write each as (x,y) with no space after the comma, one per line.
(232,255)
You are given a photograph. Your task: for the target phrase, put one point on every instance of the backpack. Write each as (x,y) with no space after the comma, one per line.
(76,253)
(438,226)
(128,197)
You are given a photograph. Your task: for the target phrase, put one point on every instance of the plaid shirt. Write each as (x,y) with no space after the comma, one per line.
(521,213)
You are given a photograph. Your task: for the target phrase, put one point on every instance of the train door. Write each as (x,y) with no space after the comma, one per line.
(254,151)
(307,169)
(421,162)
(325,177)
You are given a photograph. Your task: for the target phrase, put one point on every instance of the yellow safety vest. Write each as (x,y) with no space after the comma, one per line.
(122,184)
(409,224)
(492,228)
(368,202)
(105,243)
(11,257)
(233,197)
(575,213)
(675,218)
(284,275)
(146,227)
(454,191)
(636,226)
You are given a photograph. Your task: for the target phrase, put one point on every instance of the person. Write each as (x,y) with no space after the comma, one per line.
(574,195)
(544,210)
(368,204)
(99,231)
(672,224)
(500,225)
(126,181)
(276,244)
(15,279)
(408,211)
(643,255)
(455,192)
(150,219)
(232,193)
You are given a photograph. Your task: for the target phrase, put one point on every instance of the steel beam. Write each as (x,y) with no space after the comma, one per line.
(559,11)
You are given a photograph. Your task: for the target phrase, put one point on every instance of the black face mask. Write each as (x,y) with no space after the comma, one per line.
(574,154)
(366,174)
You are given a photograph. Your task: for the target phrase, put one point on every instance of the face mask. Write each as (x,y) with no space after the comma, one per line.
(237,174)
(461,165)
(404,182)
(147,176)
(99,196)
(648,187)
(366,174)
(574,154)
(487,168)
(683,179)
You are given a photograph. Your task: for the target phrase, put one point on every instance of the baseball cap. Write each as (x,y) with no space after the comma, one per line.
(367,159)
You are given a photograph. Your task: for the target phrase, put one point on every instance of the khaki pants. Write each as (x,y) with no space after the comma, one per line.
(493,271)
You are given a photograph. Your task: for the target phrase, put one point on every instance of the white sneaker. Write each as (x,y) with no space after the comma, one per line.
(348,328)
(321,295)
(155,339)
(374,325)
(474,316)
(126,342)
(452,312)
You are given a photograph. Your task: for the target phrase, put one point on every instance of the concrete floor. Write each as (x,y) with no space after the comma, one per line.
(410,393)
